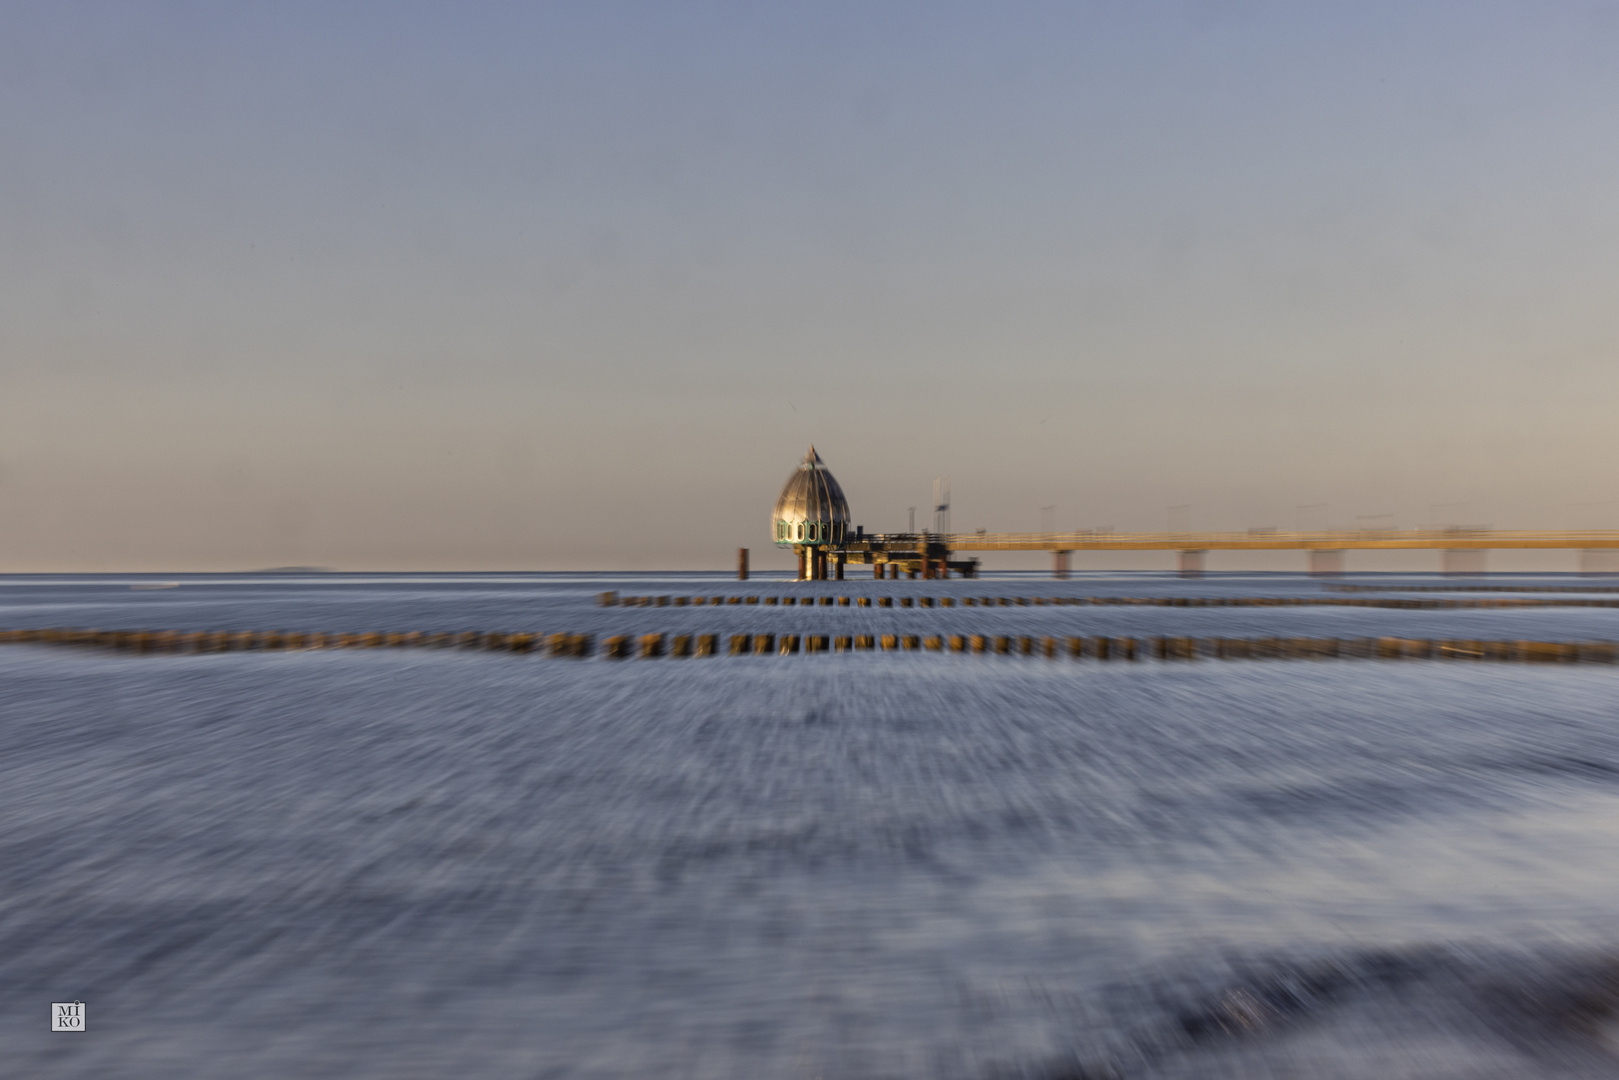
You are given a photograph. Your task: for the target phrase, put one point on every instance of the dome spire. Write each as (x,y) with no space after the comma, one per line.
(812,459)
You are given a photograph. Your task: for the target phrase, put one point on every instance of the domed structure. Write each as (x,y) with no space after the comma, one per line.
(812,511)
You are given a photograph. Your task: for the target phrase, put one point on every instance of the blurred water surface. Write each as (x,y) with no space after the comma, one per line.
(435,863)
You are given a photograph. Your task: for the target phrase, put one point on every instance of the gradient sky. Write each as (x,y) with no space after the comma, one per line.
(475,286)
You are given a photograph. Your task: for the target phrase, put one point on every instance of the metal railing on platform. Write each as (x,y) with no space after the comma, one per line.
(1252,540)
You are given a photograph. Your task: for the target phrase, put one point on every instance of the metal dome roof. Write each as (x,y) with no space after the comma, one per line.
(812,494)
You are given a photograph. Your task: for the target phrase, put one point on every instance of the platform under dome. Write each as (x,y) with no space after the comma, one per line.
(812,510)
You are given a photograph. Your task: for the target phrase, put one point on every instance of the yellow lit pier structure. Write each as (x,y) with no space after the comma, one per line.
(812,517)
(1462,549)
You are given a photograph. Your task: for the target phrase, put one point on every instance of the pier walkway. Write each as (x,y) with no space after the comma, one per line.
(931,554)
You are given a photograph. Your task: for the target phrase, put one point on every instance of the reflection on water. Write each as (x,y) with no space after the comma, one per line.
(432,863)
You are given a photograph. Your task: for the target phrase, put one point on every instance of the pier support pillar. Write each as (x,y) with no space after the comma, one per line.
(742,564)
(893,571)
(1191,563)
(842,558)
(1599,561)
(1059,565)
(1326,563)
(803,568)
(1462,562)
(877,570)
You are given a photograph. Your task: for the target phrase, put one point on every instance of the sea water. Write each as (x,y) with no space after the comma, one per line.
(449,863)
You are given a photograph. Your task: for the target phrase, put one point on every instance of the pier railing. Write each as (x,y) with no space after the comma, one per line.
(1257,540)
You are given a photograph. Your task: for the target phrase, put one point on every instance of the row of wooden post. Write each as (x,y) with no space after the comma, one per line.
(624,646)
(1399,603)
(648,646)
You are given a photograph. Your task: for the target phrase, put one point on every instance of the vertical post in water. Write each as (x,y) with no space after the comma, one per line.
(1191,564)
(1325,563)
(802,575)
(1059,565)
(742,564)
(1467,561)
(1599,561)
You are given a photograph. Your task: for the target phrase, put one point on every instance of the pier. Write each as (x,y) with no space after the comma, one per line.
(931,555)
(812,517)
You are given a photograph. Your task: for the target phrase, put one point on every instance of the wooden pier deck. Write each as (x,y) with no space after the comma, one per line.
(935,554)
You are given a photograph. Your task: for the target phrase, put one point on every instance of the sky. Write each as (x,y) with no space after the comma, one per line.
(573,286)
